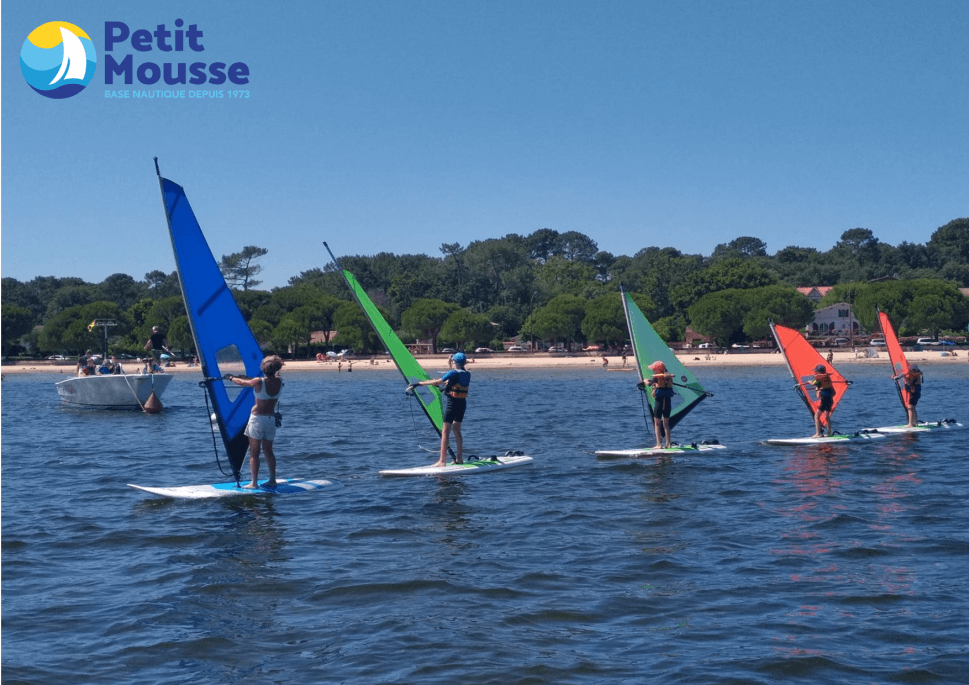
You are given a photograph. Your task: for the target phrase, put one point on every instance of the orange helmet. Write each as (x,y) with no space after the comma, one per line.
(657,367)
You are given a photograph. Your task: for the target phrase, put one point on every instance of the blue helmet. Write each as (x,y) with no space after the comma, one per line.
(459,358)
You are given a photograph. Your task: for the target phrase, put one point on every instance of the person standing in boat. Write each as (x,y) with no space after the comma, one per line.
(913,386)
(157,343)
(455,382)
(662,384)
(83,362)
(824,387)
(263,422)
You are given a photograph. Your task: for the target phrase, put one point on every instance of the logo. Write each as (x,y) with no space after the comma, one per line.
(58,60)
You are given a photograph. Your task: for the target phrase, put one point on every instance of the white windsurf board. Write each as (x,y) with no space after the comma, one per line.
(652,451)
(470,466)
(828,440)
(922,427)
(285,486)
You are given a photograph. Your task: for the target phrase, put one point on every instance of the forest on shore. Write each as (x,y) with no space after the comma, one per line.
(547,286)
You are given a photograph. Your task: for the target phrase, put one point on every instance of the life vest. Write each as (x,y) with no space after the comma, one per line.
(454,388)
(662,385)
(913,381)
(823,383)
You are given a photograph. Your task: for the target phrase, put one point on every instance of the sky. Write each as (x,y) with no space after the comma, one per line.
(396,126)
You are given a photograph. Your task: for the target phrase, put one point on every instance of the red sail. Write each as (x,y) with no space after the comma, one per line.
(895,355)
(802,360)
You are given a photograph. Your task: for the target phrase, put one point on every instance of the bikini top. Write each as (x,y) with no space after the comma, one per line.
(261,394)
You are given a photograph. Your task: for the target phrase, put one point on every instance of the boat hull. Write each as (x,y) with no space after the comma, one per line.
(122,391)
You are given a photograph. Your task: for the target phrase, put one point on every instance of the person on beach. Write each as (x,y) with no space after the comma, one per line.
(157,343)
(455,382)
(825,389)
(913,386)
(662,385)
(263,422)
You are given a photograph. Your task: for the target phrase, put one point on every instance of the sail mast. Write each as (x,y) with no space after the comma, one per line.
(632,336)
(648,348)
(639,367)
(428,396)
(896,356)
(801,360)
(223,340)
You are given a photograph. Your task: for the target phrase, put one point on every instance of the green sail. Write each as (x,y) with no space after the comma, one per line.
(429,396)
(648,348)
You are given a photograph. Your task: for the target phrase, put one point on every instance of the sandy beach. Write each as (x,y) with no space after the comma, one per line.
(694,360)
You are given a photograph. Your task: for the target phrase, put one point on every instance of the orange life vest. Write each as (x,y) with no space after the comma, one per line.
(457,391)
(822,382)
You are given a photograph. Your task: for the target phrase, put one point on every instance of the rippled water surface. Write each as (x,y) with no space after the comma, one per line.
(754,565)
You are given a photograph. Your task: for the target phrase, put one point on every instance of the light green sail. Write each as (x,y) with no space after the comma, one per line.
(428,395)
(648,348)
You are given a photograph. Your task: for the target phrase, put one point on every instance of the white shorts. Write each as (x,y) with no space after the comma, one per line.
(261,427)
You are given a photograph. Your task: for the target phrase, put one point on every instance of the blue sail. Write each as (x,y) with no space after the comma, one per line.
(224,343)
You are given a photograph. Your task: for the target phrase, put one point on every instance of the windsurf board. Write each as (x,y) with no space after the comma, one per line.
(285,486)
(652,451)
(922,427)
(472,465)
(828,440)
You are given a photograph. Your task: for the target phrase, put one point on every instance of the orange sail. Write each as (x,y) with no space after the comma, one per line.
(802,359)
(895,356)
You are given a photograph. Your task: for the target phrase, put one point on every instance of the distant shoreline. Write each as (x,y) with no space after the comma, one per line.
(694,359)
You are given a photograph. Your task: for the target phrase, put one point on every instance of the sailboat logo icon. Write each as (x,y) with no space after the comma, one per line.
(58,59)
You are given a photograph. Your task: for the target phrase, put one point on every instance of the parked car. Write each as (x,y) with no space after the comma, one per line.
(878,342)
(706,346)
(57,358)
(927,341)
(482,350)
(841,342)
(516,348)
(447,350)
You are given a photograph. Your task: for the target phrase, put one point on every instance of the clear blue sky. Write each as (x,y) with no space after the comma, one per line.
(397,126)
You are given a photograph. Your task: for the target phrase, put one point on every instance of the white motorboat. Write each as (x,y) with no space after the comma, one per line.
(117,391)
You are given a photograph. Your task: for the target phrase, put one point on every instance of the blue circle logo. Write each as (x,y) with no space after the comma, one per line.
(58,60)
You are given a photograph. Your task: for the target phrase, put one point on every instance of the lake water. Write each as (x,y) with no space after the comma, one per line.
(755,564)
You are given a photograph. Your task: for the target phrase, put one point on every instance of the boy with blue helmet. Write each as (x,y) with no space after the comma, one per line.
(455,382)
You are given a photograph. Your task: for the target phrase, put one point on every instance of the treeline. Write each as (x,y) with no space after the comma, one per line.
(547,285)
